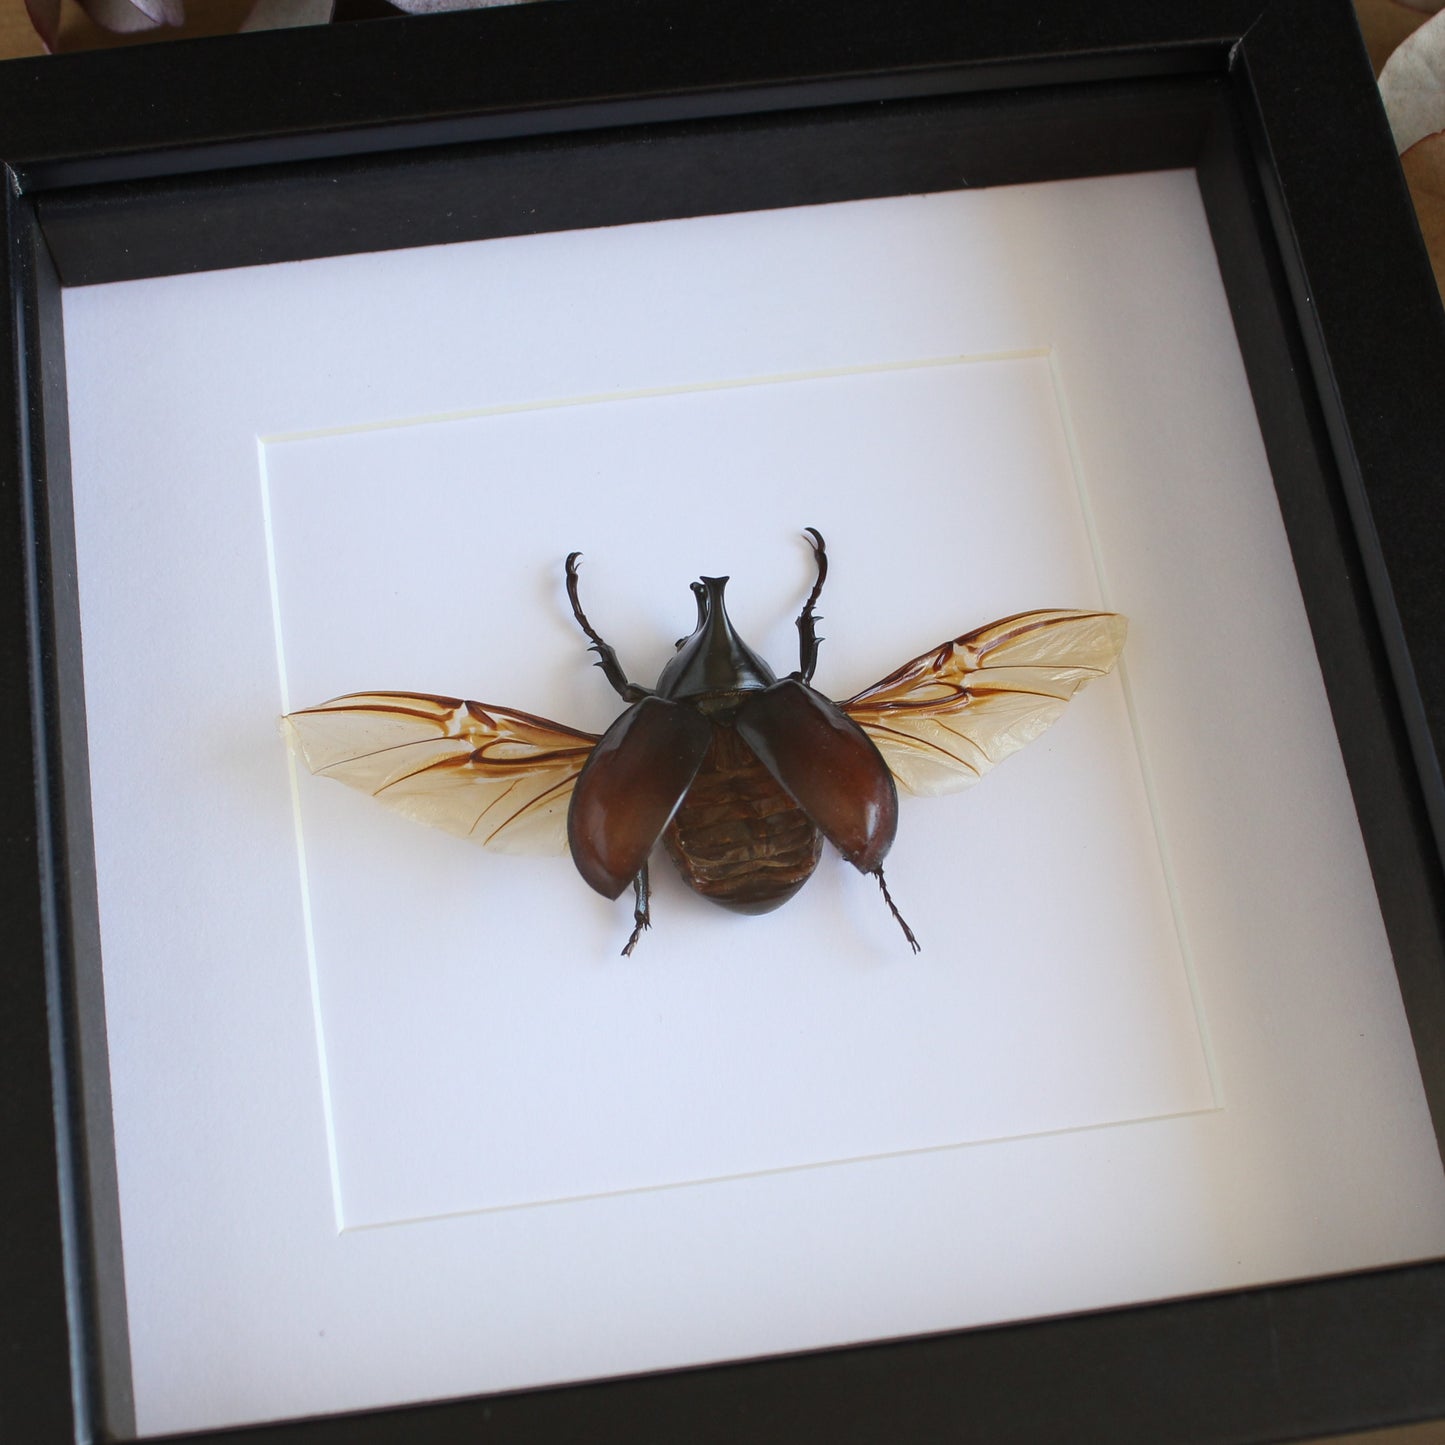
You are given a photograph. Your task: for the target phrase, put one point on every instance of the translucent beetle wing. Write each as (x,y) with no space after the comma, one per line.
(498,777)
(944,719)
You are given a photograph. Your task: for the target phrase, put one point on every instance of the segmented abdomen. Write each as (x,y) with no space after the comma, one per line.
(738,838)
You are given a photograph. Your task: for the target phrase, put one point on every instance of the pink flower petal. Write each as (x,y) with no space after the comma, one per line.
(1412,85)
(432,7)
(126,16)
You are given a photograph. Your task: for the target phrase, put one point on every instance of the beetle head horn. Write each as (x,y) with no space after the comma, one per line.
(714,659)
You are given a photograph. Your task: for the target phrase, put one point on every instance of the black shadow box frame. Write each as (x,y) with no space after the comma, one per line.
(578,113)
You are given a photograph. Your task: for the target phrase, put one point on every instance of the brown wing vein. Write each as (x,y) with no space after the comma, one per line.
(434,759)
(944,719)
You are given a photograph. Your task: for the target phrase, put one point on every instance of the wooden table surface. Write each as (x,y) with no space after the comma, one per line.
(17,35)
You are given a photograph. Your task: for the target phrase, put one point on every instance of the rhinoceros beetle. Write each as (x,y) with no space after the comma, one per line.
(739,773)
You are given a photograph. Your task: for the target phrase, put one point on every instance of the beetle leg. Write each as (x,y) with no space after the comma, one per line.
(642,913)
(606,657)
(893,909)
(808,638)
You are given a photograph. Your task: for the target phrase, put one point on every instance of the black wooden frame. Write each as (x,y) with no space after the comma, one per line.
(590,112)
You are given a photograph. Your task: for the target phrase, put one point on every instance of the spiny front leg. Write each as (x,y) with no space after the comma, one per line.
(607,658)
(808,638)
(641,912)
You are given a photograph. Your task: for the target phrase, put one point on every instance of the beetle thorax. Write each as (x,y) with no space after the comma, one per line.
(714,667)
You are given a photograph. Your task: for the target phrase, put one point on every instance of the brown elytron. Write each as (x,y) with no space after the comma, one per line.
(739,773)
(738,838)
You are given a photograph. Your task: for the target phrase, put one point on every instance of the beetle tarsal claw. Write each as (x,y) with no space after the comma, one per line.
(893,909)
(641,912)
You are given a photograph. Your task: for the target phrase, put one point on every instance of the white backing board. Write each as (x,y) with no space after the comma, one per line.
(1153,1044)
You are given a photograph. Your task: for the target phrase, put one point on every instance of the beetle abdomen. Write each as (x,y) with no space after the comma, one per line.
(738,838)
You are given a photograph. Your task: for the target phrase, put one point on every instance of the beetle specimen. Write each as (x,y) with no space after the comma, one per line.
(740,773)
